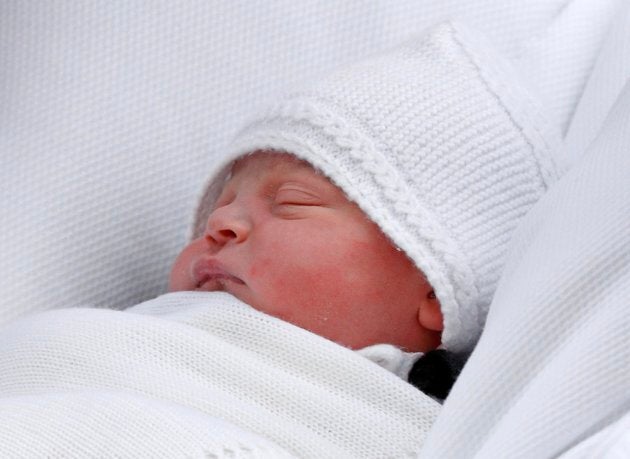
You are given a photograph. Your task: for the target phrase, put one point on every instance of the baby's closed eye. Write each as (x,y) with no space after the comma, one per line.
(297,197)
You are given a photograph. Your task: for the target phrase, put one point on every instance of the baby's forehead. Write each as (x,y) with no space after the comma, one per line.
(272,162)
(270,170)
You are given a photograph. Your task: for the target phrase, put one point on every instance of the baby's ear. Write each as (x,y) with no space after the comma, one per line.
(430,313)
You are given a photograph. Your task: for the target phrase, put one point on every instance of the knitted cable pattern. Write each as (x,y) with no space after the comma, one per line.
(387,192)
(439,145)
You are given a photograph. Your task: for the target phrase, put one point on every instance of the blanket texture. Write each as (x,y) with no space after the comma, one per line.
(552,368)
(196,374)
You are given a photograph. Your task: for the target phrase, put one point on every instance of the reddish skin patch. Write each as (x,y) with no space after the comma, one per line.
(308,255)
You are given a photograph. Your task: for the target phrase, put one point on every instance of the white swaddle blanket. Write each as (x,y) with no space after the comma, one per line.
(194,373)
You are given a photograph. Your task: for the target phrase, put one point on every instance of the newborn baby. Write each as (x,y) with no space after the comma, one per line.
(282,238)
(375,207)
(370,212)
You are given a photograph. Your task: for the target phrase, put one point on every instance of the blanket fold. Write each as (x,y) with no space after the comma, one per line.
(210,363)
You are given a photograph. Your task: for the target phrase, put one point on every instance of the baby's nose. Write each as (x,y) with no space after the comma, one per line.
(222,237)
(227,224)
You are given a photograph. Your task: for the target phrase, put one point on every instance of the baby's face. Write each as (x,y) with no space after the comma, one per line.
(288,242)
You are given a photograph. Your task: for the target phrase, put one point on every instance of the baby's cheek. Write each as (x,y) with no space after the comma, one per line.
(180,277)
(256,268)
(298,274)
(376,269)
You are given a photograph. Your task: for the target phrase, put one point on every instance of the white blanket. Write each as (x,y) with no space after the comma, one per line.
(552,367)
(194,373)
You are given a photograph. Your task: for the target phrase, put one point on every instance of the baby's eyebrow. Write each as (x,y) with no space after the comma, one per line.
(225,189)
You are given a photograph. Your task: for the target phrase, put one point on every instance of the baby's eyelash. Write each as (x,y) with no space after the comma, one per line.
(297,197)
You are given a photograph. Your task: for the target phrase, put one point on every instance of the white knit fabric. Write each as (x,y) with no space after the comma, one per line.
(610,73)
(553,365)
(612,442)
(113,423)
(558,60)
(438,143)
(191,365)
(391,358)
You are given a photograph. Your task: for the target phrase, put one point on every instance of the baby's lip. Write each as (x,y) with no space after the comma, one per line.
(211,274)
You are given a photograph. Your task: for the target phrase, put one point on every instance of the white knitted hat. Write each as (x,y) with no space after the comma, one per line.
(438,144)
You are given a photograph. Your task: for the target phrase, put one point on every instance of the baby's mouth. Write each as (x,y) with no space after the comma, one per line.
(210,276)
(217,282)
